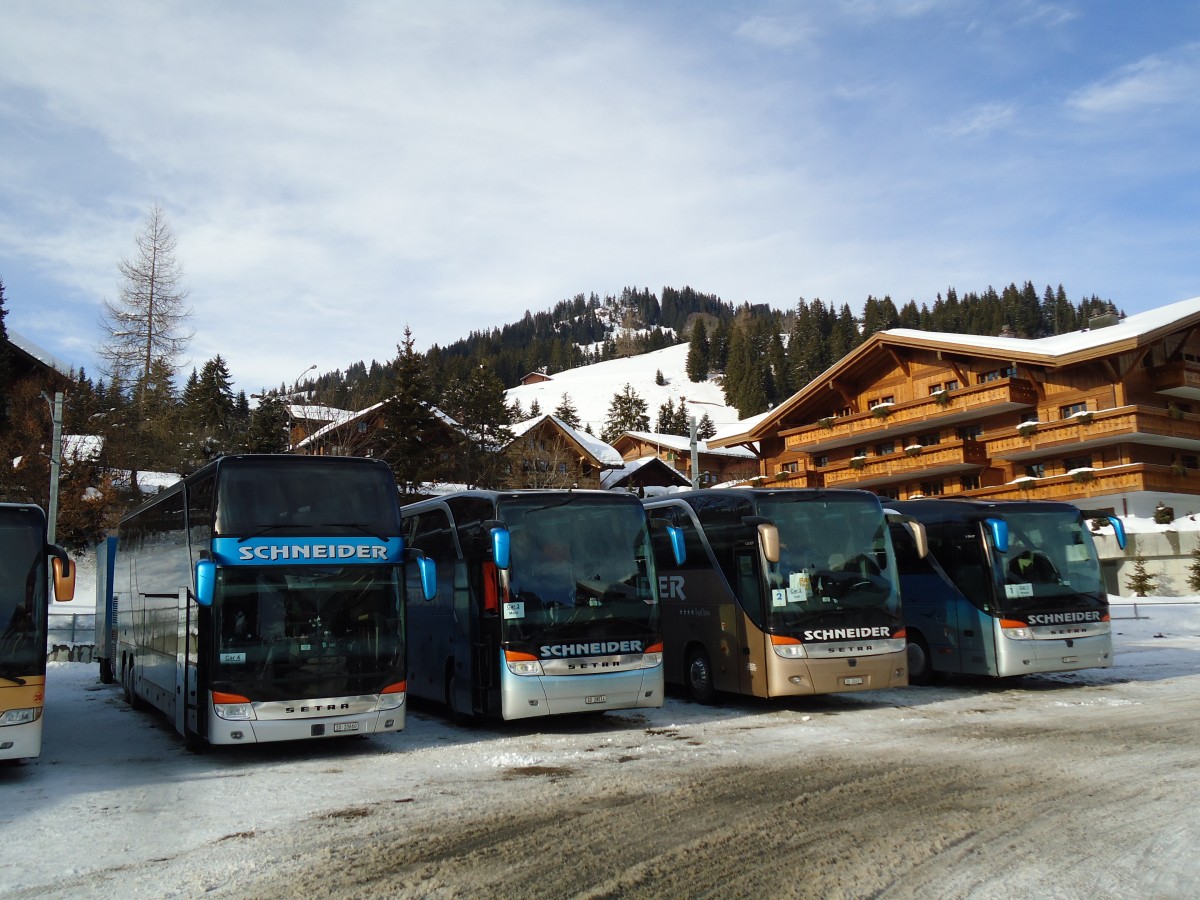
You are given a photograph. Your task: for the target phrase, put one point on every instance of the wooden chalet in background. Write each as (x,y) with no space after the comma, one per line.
(716,465)
(1105,418)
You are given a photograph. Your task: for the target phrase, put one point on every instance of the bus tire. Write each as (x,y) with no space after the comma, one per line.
(131,696)
(920,663)
(699,676)
(457,716)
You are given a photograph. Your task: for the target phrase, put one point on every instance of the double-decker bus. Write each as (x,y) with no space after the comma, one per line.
(262,599)
(781,593)
(546,604)
(24,598)
(1008,588)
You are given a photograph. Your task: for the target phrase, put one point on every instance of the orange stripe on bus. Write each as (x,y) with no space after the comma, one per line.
(518,656)
(1012,623)
(219,697)
(783,639)
(655,648)
(398,688)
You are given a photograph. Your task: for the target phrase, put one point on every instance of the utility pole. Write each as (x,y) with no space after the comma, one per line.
(695,454)
(56,414)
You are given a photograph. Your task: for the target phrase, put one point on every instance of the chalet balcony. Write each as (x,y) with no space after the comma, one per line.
(963,405)
(1177,379)
(1097,483)
(802,479)
(1130,424)
(931,462)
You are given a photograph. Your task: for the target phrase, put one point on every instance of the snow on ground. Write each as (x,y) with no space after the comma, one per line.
(592,388)
(116,806)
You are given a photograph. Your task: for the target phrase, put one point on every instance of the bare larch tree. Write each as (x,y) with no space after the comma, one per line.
(148,321)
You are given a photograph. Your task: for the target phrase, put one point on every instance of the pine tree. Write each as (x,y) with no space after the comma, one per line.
(477,404)
(268,428)
(626,412)
(1194,571)
(705,428)
(698,353)
(1141,582)
(567,412)
(407,423)
(535,409)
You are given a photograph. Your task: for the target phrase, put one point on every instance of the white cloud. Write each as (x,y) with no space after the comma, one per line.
(1171,79)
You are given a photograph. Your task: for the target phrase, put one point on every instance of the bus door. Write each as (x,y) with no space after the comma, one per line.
(467,683)
(752,641)
(969,626)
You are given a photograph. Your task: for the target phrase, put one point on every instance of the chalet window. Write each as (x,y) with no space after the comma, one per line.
(933,488)
(969,432)
(886,493)
(790,467)
(1065,412)
(952,384)
(362,427)
(872,403)
(844,411)
(969,482)
(821,461)
(997,374)
(1036,470)
(1190,462)
(562,468)
(1029,417)
(890,398)
(935,388)
(929,439)
(1078,462)
(885,449)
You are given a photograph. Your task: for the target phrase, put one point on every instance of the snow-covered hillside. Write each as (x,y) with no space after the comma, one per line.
(592,388)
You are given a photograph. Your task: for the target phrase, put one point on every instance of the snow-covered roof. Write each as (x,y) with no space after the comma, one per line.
(738,428)
(684,444)
(613,477)
(603,453)
(314,413)
(45,357)
(348,416)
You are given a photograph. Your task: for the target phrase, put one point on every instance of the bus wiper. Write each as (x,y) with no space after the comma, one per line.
(261,531)
(367,531)
(13,678)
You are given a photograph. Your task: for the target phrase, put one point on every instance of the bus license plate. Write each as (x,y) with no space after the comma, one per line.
(1070,659)
(344,726)
(857,679)
(599,698)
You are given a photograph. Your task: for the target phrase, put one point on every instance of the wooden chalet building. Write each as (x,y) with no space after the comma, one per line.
(546,452)
(1105,418)
(716,465)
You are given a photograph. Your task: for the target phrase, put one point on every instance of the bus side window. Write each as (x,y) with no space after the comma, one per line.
(431,534)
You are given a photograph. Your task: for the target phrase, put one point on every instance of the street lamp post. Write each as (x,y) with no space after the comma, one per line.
(291,395)
(56,415)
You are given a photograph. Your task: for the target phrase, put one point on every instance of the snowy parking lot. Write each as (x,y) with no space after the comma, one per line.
(1080,785)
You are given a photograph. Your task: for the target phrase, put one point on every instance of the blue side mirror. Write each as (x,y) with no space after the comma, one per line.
(1119,528)
(428,569)
(206,581)
(501,548)
(999,530)
(677,547)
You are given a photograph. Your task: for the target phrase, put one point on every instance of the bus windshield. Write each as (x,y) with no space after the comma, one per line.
(311,631)
(581,569)
(1051,560)
(23,593)
(305,494)
(835,556)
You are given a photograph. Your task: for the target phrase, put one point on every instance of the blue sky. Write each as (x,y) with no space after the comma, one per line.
(335,171)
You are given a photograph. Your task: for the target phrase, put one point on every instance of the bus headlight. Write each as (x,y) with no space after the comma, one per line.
(20,716)
(788,647)
(232,706)
(650,660)
(392,696)
(1015,630)
(524,667)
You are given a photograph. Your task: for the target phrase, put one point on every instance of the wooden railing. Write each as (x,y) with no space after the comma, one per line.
(1175,376)
(1112,480)
(1124,420)
(933,460)
(802,479)
(912,415)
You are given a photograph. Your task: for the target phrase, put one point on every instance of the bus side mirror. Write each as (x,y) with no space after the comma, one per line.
(677,547)
(768,539)
(920,538)
(1119,528)
(206,581)
(501,548)
(428,569)
(64,577)
(999,531)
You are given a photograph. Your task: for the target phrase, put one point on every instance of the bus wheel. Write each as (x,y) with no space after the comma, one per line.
(699,676)
(920,667)
(457,716)
(127,685)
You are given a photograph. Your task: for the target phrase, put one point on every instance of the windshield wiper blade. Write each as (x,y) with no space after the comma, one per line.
(364,529)
(13,678)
